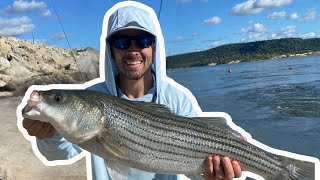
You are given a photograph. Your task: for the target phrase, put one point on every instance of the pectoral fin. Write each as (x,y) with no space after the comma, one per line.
(111,149)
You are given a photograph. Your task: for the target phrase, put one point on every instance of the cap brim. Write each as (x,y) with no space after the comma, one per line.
(125,28)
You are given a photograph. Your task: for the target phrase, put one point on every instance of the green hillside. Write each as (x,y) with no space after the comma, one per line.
(251,51)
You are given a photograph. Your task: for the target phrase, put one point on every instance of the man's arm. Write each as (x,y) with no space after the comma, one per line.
(51,145)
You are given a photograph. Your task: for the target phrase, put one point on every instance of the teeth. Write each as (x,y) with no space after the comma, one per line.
(34,99)
(35,96)
(133,62)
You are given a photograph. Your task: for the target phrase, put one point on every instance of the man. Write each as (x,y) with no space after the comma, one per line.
(131,51)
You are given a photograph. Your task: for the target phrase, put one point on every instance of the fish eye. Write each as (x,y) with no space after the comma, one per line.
(58,98)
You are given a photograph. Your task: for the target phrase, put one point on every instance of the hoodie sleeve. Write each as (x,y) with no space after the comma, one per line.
(181,102)
(57,148)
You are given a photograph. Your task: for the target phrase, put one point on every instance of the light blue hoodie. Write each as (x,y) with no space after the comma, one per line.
(128,14)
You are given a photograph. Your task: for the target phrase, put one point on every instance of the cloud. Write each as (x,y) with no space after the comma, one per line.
(15,26)
(257,27)
(215,44)
(257,32)
(250,22)
(179,38)
(293,16)
(195,34)
(22,7)
(257,6)
(213,20)
(46,13)
(58,37)
(277,15)
(198,49)
(286,32)
(269,4)
(309,35)
(205,1)
(283,15)
(183,1)
(310,15)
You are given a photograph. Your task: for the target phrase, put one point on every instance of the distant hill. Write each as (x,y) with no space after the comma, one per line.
(251,51)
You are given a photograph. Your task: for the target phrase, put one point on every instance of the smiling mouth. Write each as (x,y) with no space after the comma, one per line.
(131,63)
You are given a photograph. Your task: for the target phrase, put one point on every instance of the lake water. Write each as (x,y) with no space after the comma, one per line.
(276,101)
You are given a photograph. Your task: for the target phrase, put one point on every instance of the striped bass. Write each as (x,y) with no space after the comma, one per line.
(150,137)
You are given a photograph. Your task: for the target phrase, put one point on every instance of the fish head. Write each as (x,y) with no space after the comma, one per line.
(76,115)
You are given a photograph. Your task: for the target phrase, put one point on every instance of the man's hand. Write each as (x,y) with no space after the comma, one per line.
(221,168)
(38,129)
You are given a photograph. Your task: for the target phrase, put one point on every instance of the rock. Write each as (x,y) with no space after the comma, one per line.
(5,94)
(4,47)
(46,69)
(4,79)
(2,83)
(9,57)
(4,64)
(37,63)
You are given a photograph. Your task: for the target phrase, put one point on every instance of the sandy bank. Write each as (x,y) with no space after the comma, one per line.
(17,160)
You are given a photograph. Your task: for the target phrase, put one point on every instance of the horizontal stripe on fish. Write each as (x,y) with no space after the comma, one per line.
(142,128)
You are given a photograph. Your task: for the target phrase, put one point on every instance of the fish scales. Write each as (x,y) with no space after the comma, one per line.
(193,125)
(149,137)
(140,122)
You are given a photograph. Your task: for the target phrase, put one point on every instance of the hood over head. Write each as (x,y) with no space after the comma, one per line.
(130,15)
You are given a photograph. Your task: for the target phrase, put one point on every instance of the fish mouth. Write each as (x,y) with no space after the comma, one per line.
(34,106)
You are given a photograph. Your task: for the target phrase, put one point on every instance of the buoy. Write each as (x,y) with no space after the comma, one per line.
(229,70)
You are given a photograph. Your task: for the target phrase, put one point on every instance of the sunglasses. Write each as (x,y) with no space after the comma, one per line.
(124,42)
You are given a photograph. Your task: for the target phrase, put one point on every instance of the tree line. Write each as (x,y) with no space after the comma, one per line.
(251,51)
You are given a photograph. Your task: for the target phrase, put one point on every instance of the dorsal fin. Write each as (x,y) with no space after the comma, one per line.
(154,106)
(220,122)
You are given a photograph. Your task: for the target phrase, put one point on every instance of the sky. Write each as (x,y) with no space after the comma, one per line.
(187,25)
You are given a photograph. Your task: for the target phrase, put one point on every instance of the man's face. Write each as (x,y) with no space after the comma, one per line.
(135,61)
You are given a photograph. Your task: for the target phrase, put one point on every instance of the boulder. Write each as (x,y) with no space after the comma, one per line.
(4,47)
(4,64)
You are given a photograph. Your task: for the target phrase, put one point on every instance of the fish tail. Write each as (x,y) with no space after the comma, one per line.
(294,169)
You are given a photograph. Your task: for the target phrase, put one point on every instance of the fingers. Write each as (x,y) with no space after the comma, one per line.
(218,169)
(237,169)
(213,169)
(228,169)
(27,123)
(221,168)
(209,171)
(46,131)
(39,129)
(35,128)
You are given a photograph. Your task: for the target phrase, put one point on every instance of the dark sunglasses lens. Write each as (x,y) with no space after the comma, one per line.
(125,42)
(121,43)
(144,42)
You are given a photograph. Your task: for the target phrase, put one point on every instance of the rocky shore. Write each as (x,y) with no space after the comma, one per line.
(24,63)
